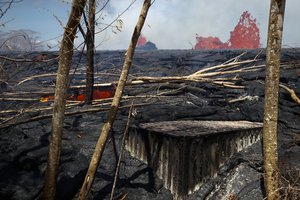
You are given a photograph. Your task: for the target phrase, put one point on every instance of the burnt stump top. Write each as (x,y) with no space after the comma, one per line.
(194,128)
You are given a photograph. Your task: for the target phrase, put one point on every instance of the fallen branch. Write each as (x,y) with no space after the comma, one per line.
(83,111)
(244,98)
(55,74)
(225,66)
(28,60)
(70,104)
(207,75)
(210,75)
(21,112)
(18,99)
(292,93)
(22,93)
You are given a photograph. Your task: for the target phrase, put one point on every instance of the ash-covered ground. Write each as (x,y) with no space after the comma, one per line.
(24,147)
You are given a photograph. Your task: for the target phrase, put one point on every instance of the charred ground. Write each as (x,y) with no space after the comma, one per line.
(24,149)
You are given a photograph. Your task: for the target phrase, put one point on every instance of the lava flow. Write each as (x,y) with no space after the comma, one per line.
(244,36)
(99,92)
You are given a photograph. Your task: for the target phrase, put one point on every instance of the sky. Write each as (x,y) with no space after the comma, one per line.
(170,24)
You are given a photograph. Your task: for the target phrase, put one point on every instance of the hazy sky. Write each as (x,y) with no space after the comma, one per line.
(171,24)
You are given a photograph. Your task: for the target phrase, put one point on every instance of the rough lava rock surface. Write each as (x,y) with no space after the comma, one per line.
(24,148)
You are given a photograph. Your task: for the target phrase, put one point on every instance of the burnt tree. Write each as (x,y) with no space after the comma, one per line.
(90,43)
(98,152)
(66,52)
(271,175)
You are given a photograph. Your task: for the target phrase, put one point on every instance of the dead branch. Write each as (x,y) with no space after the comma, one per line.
(27,60)
(235,59)
(210,75)
(223,72)
(29,110)
(251,98)
(18,99)
(21,112)
(79,112)
(72,104)
(22,93)
(38,109)
(292,93)
(224,66)
(97,106)
(243,98)
(55,74)
(177,84)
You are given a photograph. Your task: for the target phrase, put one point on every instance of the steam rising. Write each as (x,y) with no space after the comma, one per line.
(173,24)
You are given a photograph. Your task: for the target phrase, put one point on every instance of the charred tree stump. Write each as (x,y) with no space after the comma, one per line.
(185,154)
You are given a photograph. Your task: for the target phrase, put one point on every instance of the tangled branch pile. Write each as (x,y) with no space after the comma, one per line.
(225,75)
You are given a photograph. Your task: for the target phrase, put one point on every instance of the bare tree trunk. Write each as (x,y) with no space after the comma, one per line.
(271,176)
(121,151)
(66,52)
(90,42)
(115,104)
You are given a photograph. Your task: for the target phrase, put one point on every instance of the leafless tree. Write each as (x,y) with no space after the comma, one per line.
(90,42)
(271,176)
(86,186)
(66,52)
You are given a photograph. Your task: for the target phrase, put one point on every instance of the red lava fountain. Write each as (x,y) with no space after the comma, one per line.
(208,43)
(141,41)
(244,36)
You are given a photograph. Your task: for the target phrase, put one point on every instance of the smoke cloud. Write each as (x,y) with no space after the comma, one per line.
(173,24)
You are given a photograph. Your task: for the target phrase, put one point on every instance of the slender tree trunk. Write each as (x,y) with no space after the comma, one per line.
(66,52)
(115,104)
(90,42)
(271,176)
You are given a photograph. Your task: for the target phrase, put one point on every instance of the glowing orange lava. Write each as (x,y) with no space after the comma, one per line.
(98,93)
